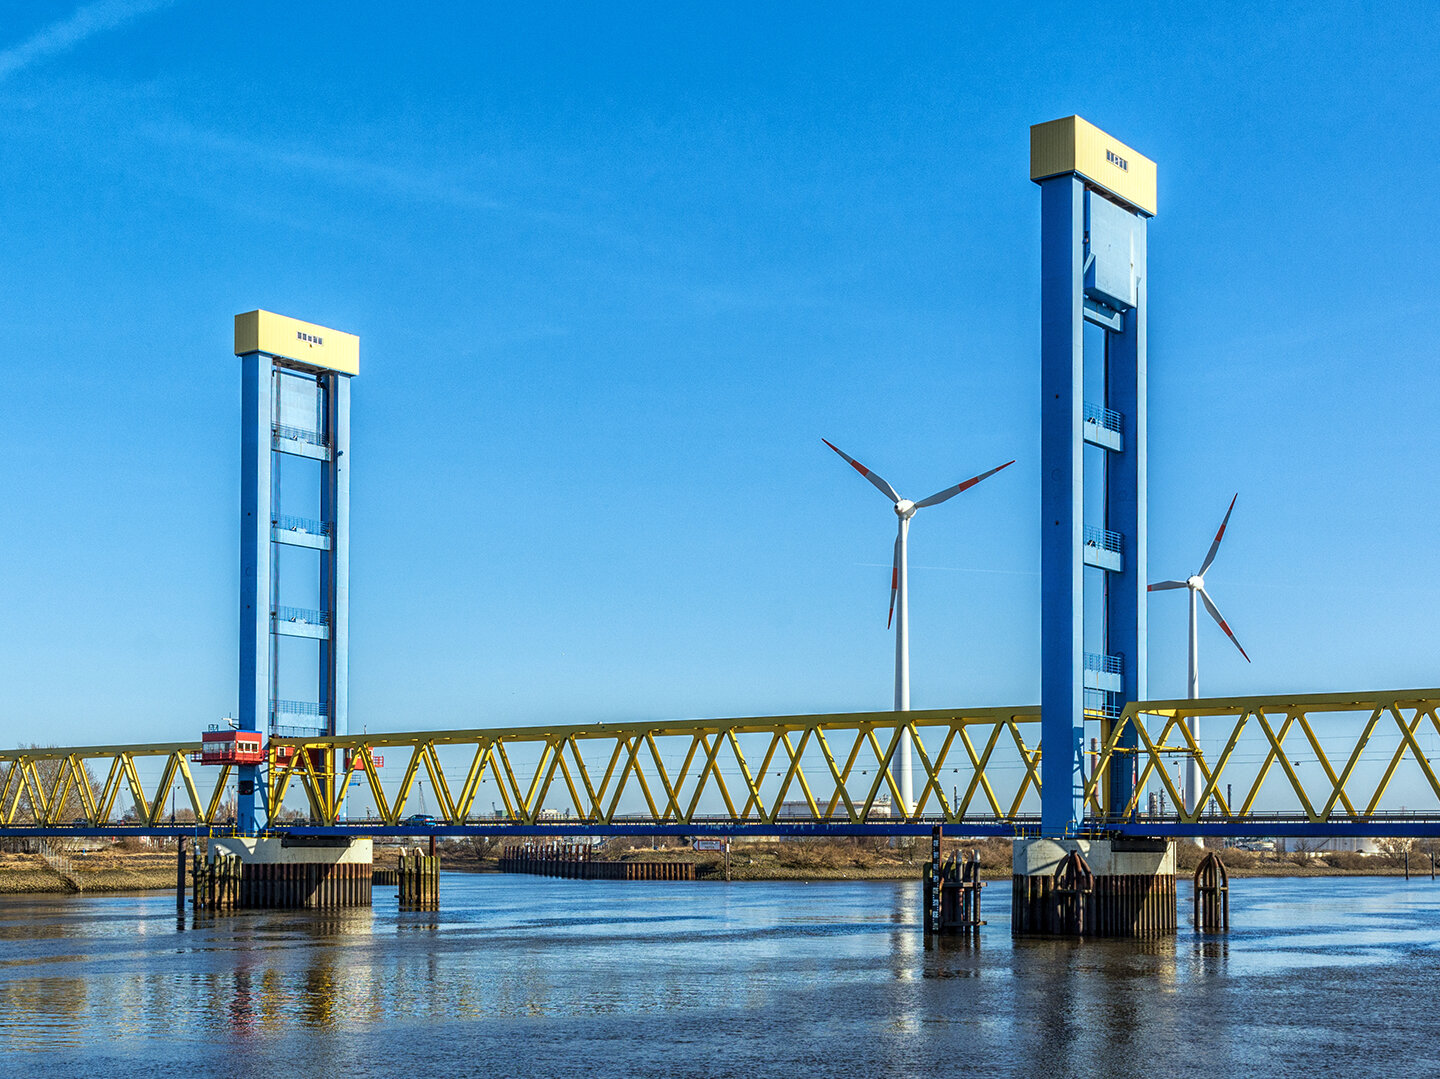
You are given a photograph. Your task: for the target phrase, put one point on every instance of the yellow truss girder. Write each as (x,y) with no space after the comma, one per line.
(760,769)
(670,785)
(1278,719)
(833,767)
(27,796)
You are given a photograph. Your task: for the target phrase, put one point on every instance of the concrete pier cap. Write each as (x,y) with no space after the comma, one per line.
(289,872)
(294,850)
(1106,857)
(1093,888)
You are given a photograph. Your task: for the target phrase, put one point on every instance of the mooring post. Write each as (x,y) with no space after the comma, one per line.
(1407,864)
(1212,895)
(180,875)
(975,885)
(933,920)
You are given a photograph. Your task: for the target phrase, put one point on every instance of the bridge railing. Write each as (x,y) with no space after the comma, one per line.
(1300,755)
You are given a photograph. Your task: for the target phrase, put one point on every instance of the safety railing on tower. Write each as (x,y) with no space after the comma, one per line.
(1104,417)
(298,719)
(302,615)
(1104,539)
(1095,661)
(291,523)
(299,434)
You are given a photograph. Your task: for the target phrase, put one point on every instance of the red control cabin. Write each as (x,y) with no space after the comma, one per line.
(231,747)
(285,754)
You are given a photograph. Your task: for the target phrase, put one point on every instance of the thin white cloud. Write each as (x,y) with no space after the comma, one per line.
(435,186)
(62,36)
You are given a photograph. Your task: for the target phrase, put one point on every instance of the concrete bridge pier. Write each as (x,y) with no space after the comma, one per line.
(1093,888)
(295,872)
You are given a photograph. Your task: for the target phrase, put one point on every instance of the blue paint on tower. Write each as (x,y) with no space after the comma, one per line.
(298,413)
(1092,271)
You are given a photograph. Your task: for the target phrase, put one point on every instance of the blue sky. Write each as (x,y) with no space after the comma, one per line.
(617,270)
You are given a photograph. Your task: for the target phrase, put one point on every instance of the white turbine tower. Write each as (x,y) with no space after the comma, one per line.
(1196,585)
(900,587)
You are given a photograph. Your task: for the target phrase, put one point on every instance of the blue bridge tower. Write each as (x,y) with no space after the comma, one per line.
(1096,195)
(294,628)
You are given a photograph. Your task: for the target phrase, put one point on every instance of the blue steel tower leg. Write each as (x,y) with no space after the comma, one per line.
(335,563)
(1062,361)
(255,553)
(1125,479)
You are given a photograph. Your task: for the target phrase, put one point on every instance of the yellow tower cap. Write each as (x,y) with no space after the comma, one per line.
(1075,145)
(303,342)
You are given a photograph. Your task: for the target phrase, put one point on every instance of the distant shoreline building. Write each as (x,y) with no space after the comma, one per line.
(1330,844)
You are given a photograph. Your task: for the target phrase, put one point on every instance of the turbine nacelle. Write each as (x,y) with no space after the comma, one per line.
(904,510)
(1196,585)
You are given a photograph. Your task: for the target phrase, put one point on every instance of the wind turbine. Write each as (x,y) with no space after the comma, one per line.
(1196,585)
(900,587)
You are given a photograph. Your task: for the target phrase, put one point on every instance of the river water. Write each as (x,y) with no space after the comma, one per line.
(526,976)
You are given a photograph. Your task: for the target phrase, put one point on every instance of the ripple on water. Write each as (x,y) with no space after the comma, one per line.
(521,975)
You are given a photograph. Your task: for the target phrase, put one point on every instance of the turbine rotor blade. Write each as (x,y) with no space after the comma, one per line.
(885,488)
(1215,546)
(1163,586)
(894,583)
(951,492)
(1215,614)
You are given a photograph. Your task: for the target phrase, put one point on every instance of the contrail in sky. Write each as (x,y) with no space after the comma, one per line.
(64,35)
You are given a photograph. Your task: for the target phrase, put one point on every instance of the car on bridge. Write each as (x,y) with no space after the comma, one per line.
(422,820)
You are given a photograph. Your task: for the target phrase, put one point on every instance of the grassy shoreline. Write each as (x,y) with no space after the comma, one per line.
(113,869)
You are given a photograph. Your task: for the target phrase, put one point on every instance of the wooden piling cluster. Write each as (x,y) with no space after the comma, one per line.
(576,861)
(640,871)
(385,877)
(418,876)
(215,883)
(1077,903)
(958,907)
(1212,895)
(226,882)
(306,884)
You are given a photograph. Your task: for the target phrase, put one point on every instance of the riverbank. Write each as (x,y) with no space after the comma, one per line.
(880,859)
(107,870)
(121,868)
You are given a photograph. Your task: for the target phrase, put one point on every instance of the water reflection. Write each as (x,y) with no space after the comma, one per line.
(788,977)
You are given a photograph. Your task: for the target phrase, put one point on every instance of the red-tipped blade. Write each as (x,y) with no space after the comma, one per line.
(894,584)
(1215,614)
(881,485)
(951,492)
(1215,546)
